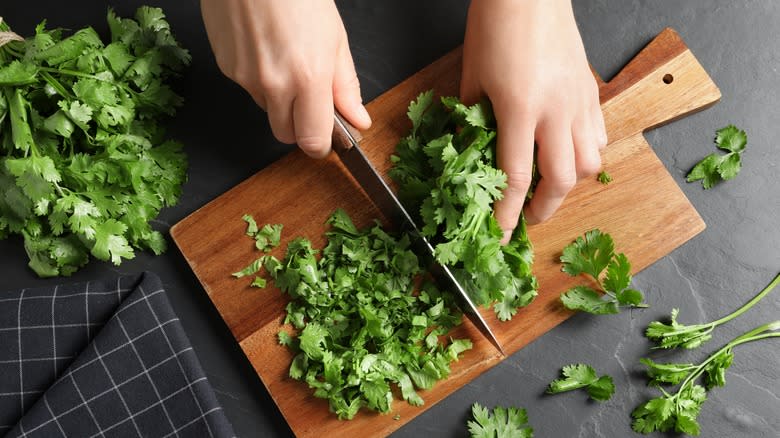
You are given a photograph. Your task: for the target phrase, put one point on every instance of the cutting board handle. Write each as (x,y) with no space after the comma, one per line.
(662,83)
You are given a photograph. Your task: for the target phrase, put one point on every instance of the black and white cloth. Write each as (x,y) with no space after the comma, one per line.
(106,358)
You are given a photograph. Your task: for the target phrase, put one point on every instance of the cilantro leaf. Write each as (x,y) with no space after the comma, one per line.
(251,228)
(588,300)
(715,168)
(110,242)
(591,255)
(604,177)
(502,422)
(583,376)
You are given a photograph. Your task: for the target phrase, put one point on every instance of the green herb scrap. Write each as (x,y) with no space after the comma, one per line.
(604,177)
(674,334)
(84,163)
(266,238)
(591,255)
(579,375)
(363,328)
(714,167)
(446,172)
(678,411)
(501,423)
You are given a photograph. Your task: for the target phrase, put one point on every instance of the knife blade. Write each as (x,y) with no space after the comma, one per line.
(346,141)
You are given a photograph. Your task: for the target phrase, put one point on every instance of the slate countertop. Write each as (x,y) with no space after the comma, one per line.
(738,42)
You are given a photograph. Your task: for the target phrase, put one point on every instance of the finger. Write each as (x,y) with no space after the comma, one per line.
(586,147)
(313,118)
(346,91)
(279,109)
(599,127)
(556,162)
(515,154)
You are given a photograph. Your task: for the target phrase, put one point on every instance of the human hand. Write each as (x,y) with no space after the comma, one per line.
(293,58)
(527,57)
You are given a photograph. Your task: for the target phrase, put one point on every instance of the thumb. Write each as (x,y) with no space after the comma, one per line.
(346,90)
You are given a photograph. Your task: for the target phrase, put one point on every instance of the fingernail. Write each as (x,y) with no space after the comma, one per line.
(363,114)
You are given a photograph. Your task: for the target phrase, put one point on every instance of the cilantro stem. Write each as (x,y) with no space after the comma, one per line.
(706,329)
(54,82)
(753,335)
(750,303)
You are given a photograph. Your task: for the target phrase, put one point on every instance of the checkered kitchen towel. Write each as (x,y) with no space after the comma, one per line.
(106,358)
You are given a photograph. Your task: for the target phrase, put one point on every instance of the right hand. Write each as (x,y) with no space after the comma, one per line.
(294,59)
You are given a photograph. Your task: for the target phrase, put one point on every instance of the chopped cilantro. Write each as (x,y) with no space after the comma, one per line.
(447,174)
(714,167)
(591,255)
(84,163)
(365,330)
(501,423)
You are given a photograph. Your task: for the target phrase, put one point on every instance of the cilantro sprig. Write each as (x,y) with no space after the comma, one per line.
(84,163)
(501,422)
(679,410)
(363,329)
(580,375)
(591,254)
(715,168)
(446,172)
(674,334)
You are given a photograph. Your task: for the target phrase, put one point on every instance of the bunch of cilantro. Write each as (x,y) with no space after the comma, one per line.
(84,163)
(364,328)
(446,172)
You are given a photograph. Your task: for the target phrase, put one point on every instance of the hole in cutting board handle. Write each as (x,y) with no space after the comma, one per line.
(668,78)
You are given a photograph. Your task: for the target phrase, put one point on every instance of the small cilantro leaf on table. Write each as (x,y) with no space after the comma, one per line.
(579,375)
(591,254)
(715,167)
(502,422)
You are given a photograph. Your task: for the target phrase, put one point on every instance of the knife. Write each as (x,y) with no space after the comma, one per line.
(346,140)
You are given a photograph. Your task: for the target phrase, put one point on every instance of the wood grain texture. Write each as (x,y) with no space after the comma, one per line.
(643,209)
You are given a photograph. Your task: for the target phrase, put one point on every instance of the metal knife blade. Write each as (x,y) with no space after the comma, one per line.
(346,144)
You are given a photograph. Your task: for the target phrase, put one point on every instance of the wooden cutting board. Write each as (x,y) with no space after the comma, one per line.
(643,209)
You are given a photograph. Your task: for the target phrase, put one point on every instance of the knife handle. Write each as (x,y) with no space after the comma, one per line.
(344,134)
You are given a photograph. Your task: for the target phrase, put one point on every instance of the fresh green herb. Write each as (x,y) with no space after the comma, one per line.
(580,375)
(84,163)
(604,177)
(363,328)
(691,336)
(502,423)
(251,225)
(252,268)
(446,171)
(266,238)
(715,168)
(591,255)
(679,410)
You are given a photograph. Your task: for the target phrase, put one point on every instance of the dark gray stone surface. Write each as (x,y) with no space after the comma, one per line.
(738,42)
